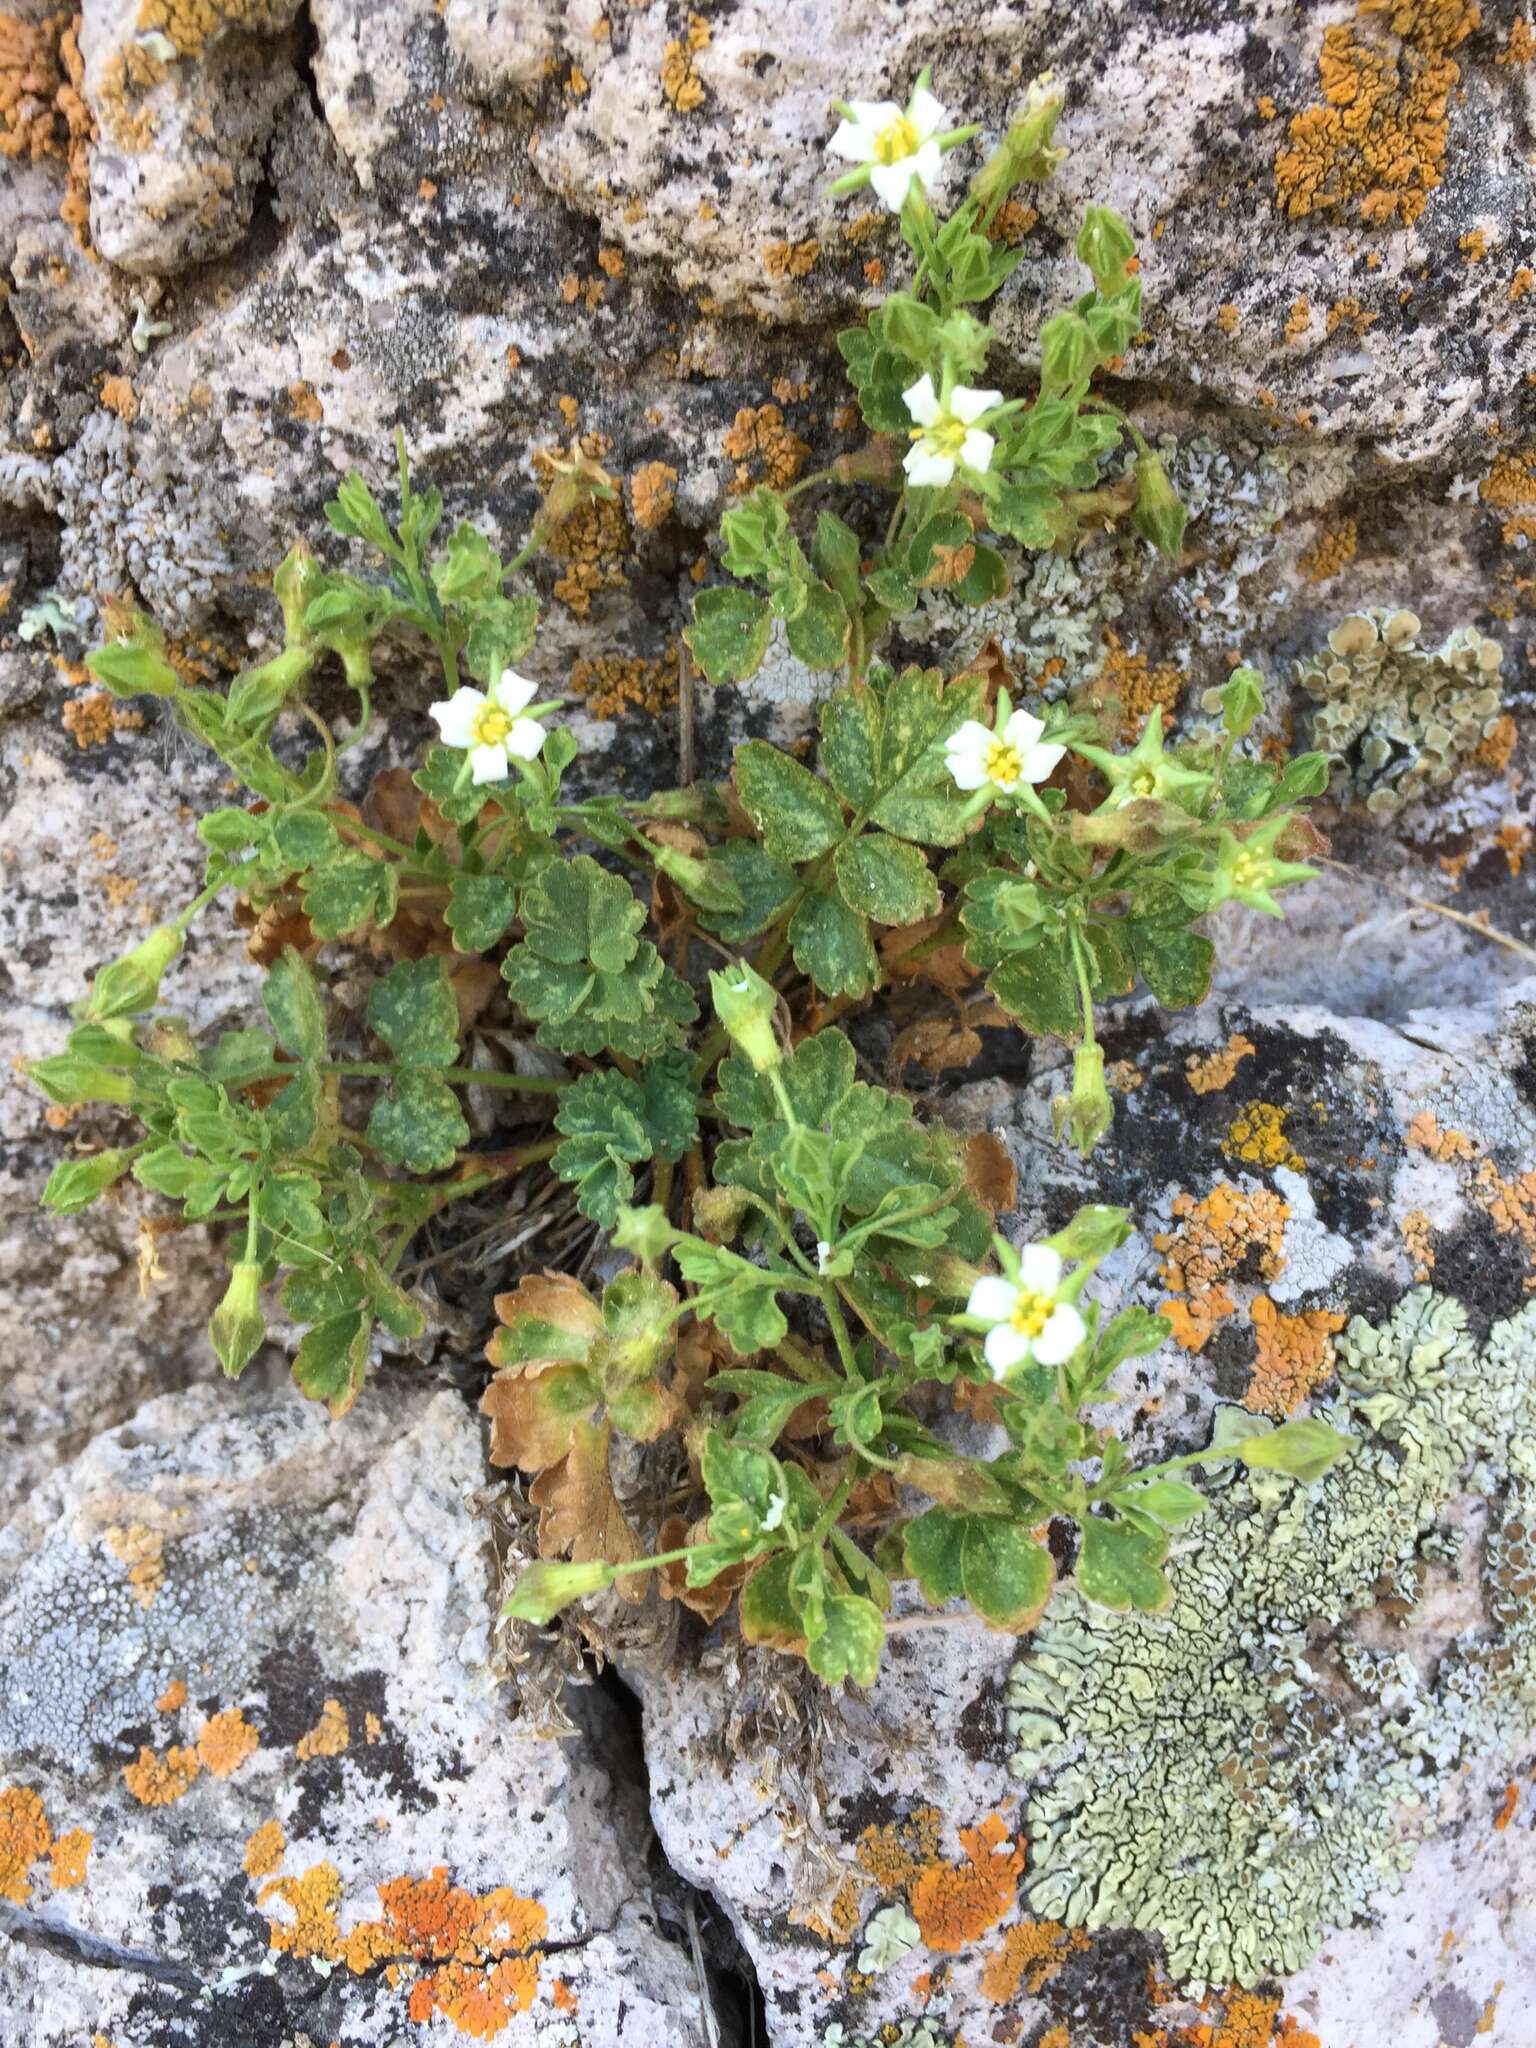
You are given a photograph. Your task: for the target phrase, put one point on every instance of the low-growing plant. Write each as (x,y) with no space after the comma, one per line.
(832,1293)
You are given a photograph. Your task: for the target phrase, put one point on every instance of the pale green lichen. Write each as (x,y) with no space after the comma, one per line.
(1234,1774)
(1403,717)
(891,1934)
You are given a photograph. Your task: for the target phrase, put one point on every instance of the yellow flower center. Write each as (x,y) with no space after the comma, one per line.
(491,726)
(1144,783)
(1005,764)
(1031,1313)
(1250,870)
(945,437)
(897,140)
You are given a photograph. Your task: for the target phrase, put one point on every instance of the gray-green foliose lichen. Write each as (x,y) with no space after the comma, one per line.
(1210,1774)
(1403,717)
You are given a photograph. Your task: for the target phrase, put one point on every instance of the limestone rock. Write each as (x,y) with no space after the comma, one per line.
(257,1784)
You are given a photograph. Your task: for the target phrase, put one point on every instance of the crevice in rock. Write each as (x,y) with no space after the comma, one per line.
(685,1912)
(74,1946)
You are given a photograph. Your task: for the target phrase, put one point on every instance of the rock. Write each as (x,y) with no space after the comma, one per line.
(1084,1829)
(257,1783)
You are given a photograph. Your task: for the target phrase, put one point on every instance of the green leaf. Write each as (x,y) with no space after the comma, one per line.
(768,1402)
(291,997)
(831,944)
(1039,988)
(766,886)
(1242,699)
(849,1642)
(836,553)
(985,581)
(1007,1576)
(749,1495)
(729,634)
(469,567)
(413,1010)
(1025,512)
(886,879)
(602,1116)
(1120,1567)
(769,1615)
(798,816)
(501,631)
(669,1103)
(1169,1501)
(293,1116)
(1174,961)
(355,513)
(818,633)
(419,1124)
(735,1295)
(883,752)
(332,1360)
(348,893)
(480,907)
(438,778)
(75,1183)
(934,1547)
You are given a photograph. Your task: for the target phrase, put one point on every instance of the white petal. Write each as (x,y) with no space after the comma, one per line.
(969,405)
(891,181)
(513,692)
(926,114)
(1040,763)
(525,738)
(1040,1268)
(855,143)
(924,468)
(456,717)
(922,401)
(1005,1348)
(874,114)
(993,1299)
(976,449)
(488,764)
(927,164)
(1061,1336)
(1022,730)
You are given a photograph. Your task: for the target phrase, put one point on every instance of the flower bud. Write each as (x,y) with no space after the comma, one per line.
(1087,1112)
(745,1005)
(132,985)
(1304,1449)
(237,1326)
(1024,156)
(544,1587)
(294,585)
(1160,515)
(75,1183)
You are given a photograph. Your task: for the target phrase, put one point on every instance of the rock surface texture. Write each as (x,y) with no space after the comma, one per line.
(256,1787)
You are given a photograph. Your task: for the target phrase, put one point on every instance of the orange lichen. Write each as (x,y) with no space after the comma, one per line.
(652,494)
(330,1735)
(1030,1956)
(612,683)
(304,400)
(1514,842)
(1130,681)
(791,259)
(1213,1238)
(1496,747)
(142,1549)
(25,1838)
(1011,223)
(1297,320)
(1425,1135)
(763,448)
(891,1853)
(227,1739)
(1519,45)
(1334,548)
(1206,1072)
(92,718)
(1266,107)
(1417,1235)
(42,106)
(1473,245)
(680,80)
(1295,1356)
(482,1946)
(1375,144)
(174,1696)
(161,1781)
(68,1859)
(1256,1136)
(1227,317)
(955,1903)
(1350,313)
(1510,486)
(119,396)
(1510,1205)
(264,1849)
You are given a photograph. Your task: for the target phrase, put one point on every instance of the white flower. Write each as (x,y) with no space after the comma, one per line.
(1027,1320)
(777,1503)
(946,433)
(977,757)
(489,725)
(898,146)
